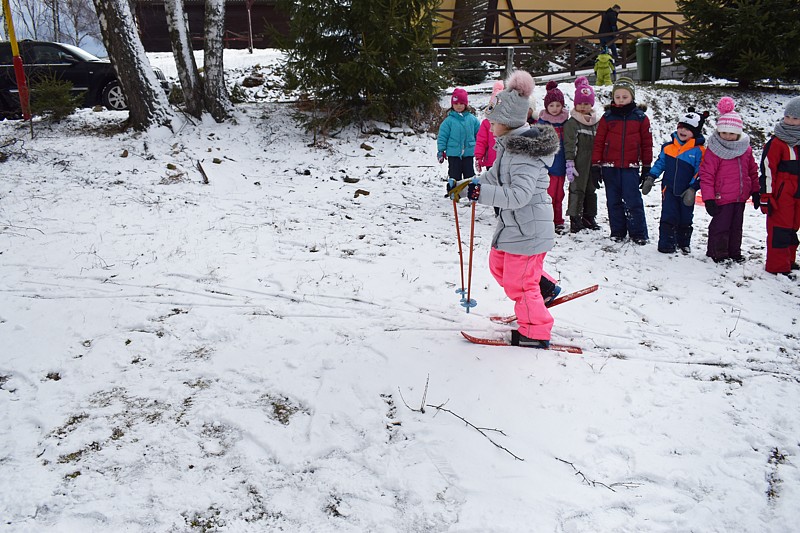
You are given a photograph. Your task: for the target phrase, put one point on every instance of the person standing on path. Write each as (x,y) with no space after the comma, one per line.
(608,24)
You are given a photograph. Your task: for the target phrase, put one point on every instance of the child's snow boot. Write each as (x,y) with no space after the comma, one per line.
(518,339)
(548,300)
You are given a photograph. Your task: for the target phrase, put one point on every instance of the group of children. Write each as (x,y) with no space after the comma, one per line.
(525,167)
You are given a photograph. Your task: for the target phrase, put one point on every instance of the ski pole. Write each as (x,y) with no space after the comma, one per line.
(469,302)
(460,291)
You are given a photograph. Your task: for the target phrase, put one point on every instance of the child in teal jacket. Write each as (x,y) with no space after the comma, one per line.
(456,140)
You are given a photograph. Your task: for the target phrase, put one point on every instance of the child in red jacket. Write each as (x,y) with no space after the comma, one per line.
(728,178)
(780,191)
(623,143)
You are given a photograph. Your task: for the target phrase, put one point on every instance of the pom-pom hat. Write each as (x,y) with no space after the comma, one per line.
(584,94)
(693,121)
(554,94)
(729,120)
(793,108)
(459,97)
(511,107)
(496,88)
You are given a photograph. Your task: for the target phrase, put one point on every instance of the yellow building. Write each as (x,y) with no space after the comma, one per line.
(518,20)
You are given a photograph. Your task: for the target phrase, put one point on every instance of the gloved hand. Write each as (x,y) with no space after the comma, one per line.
(688,197)
(571,172)
(756,197)
(597,176)
(766,204)
(647,183)
(474,190)
(456,190)
(712,208)
(441,156)
(644,174)
(479,164)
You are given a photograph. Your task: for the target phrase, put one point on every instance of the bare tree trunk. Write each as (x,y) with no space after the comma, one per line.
(191,83)
(216,94)
(147,103)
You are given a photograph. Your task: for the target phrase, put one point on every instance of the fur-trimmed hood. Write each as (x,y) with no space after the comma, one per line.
(540,140)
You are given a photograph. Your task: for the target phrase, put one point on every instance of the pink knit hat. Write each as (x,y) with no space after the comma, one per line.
(496,88)
(584,94)
(554,94)
(729,120)
(459,97)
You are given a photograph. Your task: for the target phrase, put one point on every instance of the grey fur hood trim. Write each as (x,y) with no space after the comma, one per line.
(539,141)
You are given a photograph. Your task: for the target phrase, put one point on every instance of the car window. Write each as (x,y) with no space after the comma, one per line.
(45,54)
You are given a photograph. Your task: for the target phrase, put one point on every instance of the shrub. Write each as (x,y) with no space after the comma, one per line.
(54,97)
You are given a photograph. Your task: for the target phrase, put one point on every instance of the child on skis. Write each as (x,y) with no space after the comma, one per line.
(517,183)
(484,142)
(728,178)
(623,143)
(604,68)
(456,139)
(679,161)
(555,114)
(579,133)
(780,193)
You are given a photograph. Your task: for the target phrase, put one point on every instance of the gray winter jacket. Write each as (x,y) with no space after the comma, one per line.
(517,183)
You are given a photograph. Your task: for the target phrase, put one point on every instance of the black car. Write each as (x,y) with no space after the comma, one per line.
(47,60)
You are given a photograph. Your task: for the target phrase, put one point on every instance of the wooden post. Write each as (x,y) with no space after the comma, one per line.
(509,60)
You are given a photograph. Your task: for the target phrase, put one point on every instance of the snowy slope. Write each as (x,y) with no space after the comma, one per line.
(252,354)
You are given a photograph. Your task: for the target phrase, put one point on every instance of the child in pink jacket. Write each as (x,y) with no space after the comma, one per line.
(728,177)
(485,153)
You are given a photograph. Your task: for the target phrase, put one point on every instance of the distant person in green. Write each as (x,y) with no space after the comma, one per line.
(604,68)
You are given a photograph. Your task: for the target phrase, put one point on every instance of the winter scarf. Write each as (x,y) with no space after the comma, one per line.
(554,119)
(728,149)
(788,134)
(586,120)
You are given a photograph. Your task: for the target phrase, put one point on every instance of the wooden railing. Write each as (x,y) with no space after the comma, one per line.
(511,38)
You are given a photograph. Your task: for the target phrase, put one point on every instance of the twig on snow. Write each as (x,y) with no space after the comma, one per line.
(593,483)
(482,431)
(441,407)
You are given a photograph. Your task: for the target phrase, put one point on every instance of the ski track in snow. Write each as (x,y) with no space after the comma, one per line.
(253,357)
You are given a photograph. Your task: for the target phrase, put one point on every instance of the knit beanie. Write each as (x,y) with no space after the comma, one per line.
(511,108)
(793,108)
(584,94)
(459,97)
(729,120)
(496,88)
(693,121)
(624,82)
(554,94)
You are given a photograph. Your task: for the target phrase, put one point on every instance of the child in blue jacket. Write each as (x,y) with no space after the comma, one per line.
(679,161)
(456,140)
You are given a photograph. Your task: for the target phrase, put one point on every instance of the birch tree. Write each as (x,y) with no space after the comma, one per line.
(191,82)
(147,103)
(214,89)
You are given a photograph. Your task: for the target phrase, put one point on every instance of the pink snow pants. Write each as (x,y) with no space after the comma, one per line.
(556,192)
(519,276)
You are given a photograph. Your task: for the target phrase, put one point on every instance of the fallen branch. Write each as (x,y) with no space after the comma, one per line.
(203,172)
(593,483)
(441,407)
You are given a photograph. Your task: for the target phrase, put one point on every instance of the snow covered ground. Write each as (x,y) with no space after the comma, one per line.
(252,354)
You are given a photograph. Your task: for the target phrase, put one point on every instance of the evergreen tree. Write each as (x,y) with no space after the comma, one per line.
(743,40)
(362,59)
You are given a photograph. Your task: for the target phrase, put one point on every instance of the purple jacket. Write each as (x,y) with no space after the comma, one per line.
(728,180)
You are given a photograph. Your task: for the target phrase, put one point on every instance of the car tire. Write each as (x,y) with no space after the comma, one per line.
(113,98)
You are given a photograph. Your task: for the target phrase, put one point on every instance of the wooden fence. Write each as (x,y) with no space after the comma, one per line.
(519,38)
